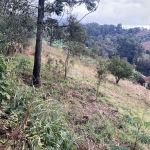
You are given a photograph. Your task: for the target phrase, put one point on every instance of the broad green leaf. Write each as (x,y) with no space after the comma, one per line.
(147,124)
(131,121)
(143,138)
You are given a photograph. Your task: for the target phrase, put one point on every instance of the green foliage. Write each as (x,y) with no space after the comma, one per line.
(48,129)
(75,30)
(42,122)
(129,48)
(120,68)
(139,132)
(2,42)
(14,26)
(23,65)
(3,67)
(136,76)
(107,39)
(54,32)
(101,132)
(74,35)
(4,82)
(54,67)
(102,101)
(143,66)
(49,63)
(102,69)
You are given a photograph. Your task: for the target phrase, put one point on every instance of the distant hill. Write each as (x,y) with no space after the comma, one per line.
(103,39)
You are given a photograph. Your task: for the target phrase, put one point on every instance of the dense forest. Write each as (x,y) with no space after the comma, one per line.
(111,40)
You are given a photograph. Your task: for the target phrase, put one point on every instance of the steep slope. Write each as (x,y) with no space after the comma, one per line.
(114,103)
(98,124)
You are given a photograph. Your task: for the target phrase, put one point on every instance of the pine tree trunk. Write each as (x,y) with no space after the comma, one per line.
(38,48)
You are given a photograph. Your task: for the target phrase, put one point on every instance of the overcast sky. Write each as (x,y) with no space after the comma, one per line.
(128,12)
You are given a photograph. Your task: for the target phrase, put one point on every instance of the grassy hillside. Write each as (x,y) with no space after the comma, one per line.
(65,115)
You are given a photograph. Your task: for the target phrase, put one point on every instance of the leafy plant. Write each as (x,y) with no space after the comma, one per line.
(136,76)
(2,43)
(73,38)
(139,132)
(49,63)
(48,128)
(4,82)
(23,65)
(120,68)
(102,69)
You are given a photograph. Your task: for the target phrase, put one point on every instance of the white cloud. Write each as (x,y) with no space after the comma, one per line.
(127,12)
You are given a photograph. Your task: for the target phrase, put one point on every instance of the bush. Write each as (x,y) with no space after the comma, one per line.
(102,69)
(136,76)
(24,65)
(4,82)
(120,68)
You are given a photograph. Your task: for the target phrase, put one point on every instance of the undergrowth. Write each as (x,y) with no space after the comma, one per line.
(62,114)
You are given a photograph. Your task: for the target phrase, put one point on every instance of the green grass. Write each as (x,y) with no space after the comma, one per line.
(68,113)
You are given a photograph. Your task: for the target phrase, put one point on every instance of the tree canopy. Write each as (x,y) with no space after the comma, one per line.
(112,40)
(55,7)
(120,68)
(129,48)
(16,23)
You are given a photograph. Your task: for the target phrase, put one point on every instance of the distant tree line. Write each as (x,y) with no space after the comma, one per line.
(110,40)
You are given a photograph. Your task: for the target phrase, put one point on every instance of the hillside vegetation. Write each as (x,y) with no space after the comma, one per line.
(64,114)
(110,40)
(57,89)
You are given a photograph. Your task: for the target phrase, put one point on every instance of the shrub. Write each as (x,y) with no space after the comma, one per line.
(48,128)
(4,82)
(148,86)
(136,76)
(120,68)
(23,65)
(102,69)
